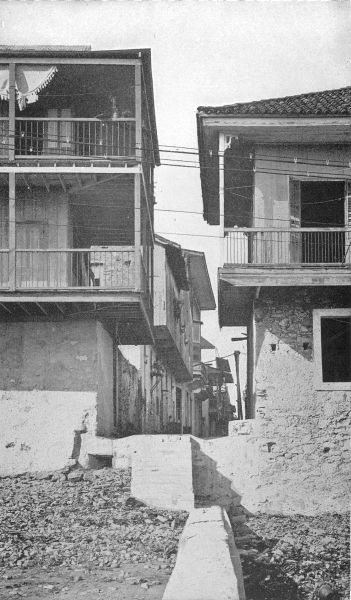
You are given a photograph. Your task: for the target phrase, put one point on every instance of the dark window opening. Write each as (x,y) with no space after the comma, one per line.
(322,206)
(336,348)
(238,185)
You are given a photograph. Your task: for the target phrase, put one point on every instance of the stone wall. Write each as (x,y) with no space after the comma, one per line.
(294,457)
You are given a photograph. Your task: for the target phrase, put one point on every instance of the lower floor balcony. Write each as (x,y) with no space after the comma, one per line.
(304,246)
(110,283)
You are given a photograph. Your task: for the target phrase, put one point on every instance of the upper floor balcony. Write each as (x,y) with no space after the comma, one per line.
(68,107)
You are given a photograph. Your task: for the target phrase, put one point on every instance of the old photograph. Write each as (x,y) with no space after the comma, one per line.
(175,299)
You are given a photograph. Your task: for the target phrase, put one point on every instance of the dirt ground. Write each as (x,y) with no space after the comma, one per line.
(145,581)
(79,534)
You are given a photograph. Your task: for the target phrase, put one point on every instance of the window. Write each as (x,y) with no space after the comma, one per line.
(332,348)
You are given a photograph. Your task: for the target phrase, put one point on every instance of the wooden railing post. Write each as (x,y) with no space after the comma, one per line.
(12,231)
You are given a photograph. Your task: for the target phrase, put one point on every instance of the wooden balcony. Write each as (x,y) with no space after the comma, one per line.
(288,247)
(112,283)
(70,138)
(272,257)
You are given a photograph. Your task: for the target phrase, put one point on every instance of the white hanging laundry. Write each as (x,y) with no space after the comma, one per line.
(29,80)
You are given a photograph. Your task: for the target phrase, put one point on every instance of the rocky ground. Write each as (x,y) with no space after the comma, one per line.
(295,558)
(79,534)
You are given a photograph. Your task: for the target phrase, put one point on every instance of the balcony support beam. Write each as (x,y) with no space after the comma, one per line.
(12,231)
(137,231)
(76,169)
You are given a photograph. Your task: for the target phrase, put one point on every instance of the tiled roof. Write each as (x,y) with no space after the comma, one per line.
(329,102)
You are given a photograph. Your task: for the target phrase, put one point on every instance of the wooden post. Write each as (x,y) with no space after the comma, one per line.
(221,197)
(137,233)
(238,390)
(12,231)
(138,117)
(12,110)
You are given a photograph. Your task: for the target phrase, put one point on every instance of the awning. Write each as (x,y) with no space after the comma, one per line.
(30,79)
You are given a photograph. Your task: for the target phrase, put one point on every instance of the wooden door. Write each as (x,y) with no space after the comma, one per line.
(295,221)
(59,134)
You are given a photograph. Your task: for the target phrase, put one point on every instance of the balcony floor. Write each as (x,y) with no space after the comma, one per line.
(128,312)
(250,275)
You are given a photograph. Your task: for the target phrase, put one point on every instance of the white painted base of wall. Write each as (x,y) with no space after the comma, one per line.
(162,472)
(208,564)
(37,428)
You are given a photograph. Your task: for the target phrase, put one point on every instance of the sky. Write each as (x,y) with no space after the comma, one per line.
(208,52)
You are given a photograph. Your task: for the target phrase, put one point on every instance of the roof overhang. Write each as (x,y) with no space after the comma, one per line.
(200,279)
(284,130)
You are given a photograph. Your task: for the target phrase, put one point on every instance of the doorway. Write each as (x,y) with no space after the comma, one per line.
(323,206)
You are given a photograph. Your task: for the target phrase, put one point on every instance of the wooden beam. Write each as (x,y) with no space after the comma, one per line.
(59,60)
(12,231)
(137,233)
(60,308)
(138,116)
(246,277)
(45,182)
(24,309)
(77,169)
(42,309)
(64,187)
(71,297)
(291,122)
(5,308)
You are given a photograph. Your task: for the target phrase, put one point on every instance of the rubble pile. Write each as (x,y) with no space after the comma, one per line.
(81,518)
(295,557)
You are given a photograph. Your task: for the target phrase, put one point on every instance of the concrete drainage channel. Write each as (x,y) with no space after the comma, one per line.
(208,564)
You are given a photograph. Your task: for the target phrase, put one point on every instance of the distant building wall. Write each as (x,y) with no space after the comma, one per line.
(130,405)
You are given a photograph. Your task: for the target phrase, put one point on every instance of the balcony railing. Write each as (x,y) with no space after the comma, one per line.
(302,246)
(112,269)
(93,138)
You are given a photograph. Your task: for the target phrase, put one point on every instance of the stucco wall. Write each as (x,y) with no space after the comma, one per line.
(51,376)
(48,356)
(104,381)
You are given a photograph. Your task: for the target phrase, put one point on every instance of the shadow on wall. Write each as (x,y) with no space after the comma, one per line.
(262,579)
(210,486)
(287,316)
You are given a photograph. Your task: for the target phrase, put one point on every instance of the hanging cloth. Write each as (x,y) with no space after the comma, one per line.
(29,80)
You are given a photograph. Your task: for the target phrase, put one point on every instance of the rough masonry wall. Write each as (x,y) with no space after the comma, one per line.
(294,457)
(305,429)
